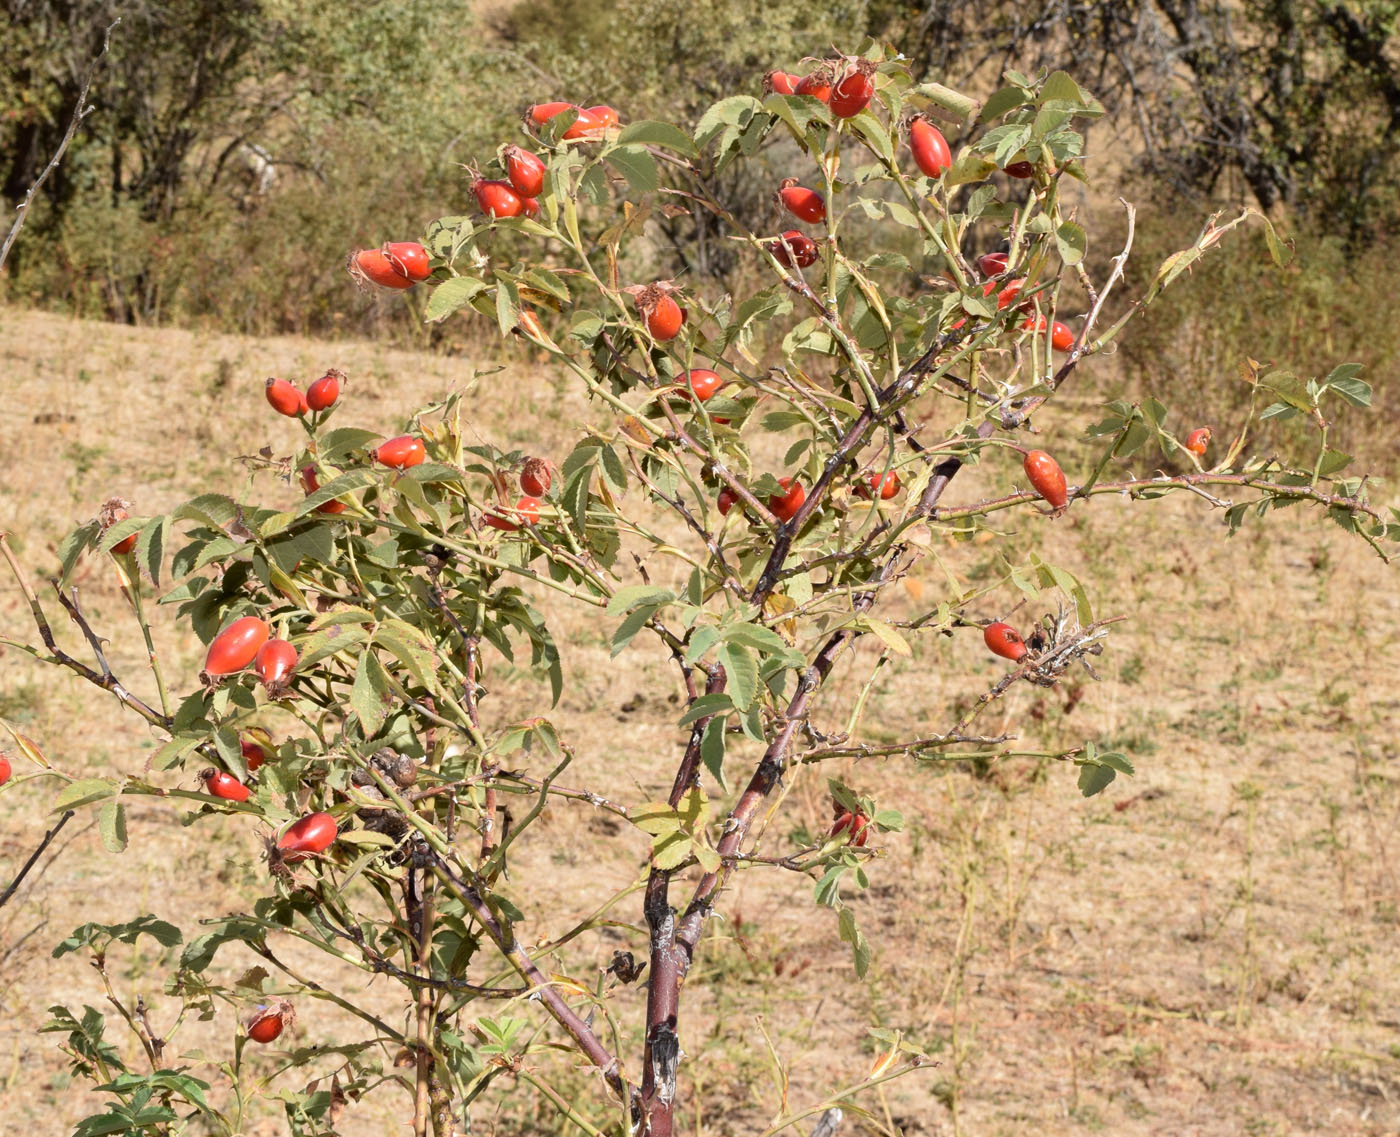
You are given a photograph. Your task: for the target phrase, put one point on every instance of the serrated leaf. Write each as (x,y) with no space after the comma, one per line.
(171,752)
(635,621)
(701,640)
(1071,241)
(889,819)
(412,648)
(1357,392)
(851,934)
(670,850)
(85,791)
(828,890)
(370,696)
(715,704)
(1331,462)
(150,547)
(328,640)
(655,817)
(212,509)
(742,669)
(72,548)
(645,132)
(111,824)
(712,749)
(1006,99)
(1094,779)
(757,637)
(637,166)
(338,486)
(451,295)
(336,444)
(887,634)
(625,599)
(1118,761)
(613,471)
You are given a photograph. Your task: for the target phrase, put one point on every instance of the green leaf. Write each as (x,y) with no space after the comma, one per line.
(887,634)
(742,670)
(637,166)
(655,817)
(613,470)
(712,749)
(329,640)
(212,509)
(1094,779)
(1007,99)
(671,850)
(119,532)
(507,305)
(1071,241)
(717,704)
(1060,87)
(336,444)
(111,823)
(314,544)
(636,620)
(874,132)
(1357,392)
(851,934)
(1280,252)
(72,548)
(645,132)
(150,547)
(701,640)
(85,791)
(1331,462)
(170,753)
(451,295)
(1279,411)
(412,648)
(370,696)
(338,486)
(625,599)
(734,111)
(757,637)
(1118,761)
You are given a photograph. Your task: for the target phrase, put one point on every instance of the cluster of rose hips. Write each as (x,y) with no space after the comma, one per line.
(517,195)
(287,399)
(395,264)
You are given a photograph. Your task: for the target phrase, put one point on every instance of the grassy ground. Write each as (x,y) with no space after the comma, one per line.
(1206,948)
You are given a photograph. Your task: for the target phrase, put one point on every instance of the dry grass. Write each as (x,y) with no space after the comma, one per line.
(1207,948)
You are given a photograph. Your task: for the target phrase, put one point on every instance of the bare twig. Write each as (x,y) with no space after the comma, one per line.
(80,111)
(104,679)
(34,857)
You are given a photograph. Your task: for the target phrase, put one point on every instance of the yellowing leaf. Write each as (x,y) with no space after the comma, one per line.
(883,1063)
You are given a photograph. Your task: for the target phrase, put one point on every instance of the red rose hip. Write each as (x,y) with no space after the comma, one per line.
(1005,641)
(784,506)
(929,147)
(325,391)
(1046,478)
(401,452)
(313,834)
(225,786)
(236,646)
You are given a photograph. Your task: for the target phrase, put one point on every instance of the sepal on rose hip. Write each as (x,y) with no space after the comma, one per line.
(269,1019)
